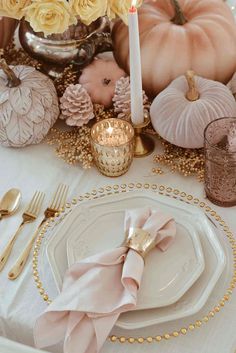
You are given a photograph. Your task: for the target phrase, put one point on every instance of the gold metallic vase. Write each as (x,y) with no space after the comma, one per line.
(78,45)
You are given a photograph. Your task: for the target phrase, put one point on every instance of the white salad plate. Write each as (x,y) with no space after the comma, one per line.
(98,226)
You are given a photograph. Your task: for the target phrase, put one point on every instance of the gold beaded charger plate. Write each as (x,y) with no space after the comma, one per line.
(221,294)
(97,226)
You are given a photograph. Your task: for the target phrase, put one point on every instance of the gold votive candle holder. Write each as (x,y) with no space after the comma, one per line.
(112,143)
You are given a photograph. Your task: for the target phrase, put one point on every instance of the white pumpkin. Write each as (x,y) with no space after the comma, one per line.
(182,111)
(28,105)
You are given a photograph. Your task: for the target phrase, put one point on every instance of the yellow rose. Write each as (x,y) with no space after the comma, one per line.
(120,8)
(50,16)
(13,8)
(88,10)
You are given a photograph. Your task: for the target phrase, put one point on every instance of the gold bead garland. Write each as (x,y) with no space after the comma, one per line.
(15,56)
(101,112)
(158,171)
(162,190)
(185,161)
(68,77)
(72,146)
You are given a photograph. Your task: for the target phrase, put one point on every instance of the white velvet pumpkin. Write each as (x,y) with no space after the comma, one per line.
(28,105)
(181,112)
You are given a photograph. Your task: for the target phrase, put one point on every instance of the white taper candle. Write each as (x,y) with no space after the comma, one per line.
(137,115)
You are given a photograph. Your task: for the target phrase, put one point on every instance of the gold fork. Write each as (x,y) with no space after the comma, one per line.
(57,204)
(29,216)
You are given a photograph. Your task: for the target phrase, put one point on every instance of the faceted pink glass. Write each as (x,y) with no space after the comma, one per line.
(220,167)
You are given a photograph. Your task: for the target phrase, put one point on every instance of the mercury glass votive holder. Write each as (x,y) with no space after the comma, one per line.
(112,143)
(220,165)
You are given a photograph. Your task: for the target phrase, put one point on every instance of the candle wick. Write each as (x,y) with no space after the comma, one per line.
(133,9)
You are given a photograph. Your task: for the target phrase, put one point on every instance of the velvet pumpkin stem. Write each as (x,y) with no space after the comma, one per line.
(13,81)
(179,18)
(192,95)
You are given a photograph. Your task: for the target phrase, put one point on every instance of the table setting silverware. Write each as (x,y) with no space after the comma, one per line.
(30,215)
(57,204)
(10,203)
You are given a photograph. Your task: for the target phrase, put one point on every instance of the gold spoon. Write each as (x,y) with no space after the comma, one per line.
(10,203)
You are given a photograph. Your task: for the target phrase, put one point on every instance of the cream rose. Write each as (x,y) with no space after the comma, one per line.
(88,10)
(13,8)
(120,8)
(50,16)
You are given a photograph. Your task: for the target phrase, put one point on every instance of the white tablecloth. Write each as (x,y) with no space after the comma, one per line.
(7,346)
(37,167)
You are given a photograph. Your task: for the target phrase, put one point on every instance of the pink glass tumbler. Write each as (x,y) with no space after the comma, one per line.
(220,165)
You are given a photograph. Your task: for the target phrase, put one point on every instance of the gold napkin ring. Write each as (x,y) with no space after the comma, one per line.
(140,241)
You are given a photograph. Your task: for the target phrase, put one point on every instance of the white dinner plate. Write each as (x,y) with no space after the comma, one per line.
(78,219)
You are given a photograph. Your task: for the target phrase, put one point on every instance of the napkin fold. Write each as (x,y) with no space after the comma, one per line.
(99,288)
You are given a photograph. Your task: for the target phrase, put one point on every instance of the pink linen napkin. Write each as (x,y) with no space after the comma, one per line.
(99,288)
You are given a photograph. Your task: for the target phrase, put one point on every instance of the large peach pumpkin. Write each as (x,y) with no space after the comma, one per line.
(176,36)
(7,29)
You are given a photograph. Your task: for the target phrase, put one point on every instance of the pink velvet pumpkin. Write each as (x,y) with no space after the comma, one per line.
(182,111)
(7,29)
(177,35)
(99,79)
